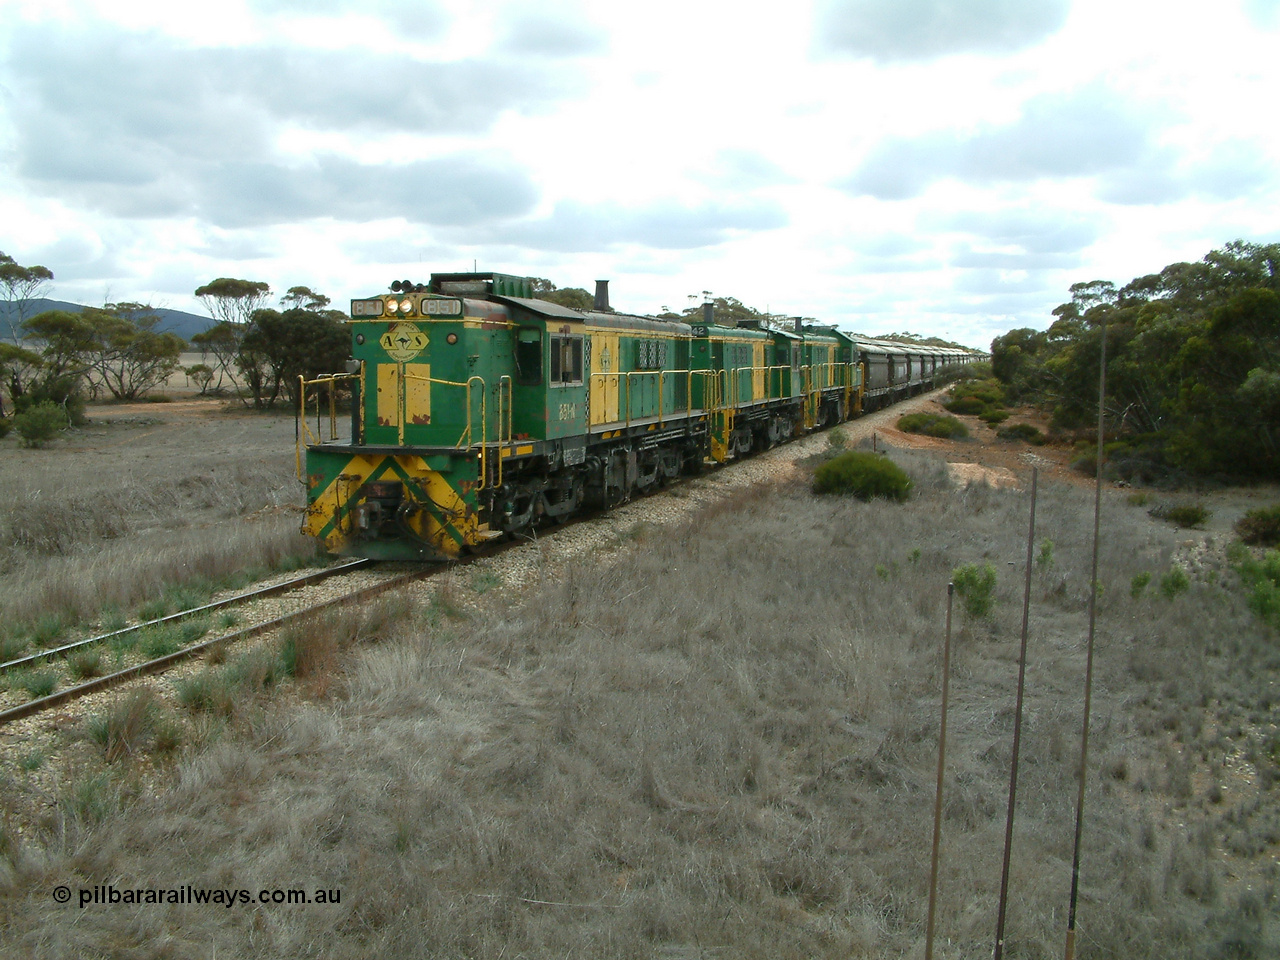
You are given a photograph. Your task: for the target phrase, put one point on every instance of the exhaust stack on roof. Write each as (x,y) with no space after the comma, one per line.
(602,296)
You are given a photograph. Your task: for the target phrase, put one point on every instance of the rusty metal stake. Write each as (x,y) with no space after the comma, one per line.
(937,803)
(1088,668)
(1017,726)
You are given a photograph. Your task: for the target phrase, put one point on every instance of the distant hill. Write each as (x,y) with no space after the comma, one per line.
(185,325)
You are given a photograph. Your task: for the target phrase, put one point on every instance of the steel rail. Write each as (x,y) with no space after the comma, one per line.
(161,663)
(287,585)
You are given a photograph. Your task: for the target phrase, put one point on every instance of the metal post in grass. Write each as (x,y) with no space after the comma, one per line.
(1017,726)
(937,803)
(1088,661)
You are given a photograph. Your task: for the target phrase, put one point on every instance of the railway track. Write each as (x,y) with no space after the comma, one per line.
(161,663)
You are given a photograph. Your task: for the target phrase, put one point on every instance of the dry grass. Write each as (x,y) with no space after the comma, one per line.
(721,745)
(131,573)
(124,518)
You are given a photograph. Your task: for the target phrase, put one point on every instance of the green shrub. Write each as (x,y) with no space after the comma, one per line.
(1260,527)
(975,584)
(1174,582)
(40,423)
(966,406)
(1021,431)
(1264,600)
(1185,515)
(864,475)
(1139,499)
(994,416)
(1139,583)
(1263,579)
(1087,464)
(989,392)
(5,426)
(933,425)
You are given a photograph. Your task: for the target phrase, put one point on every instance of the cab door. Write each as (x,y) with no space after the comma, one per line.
(604,366)
(403,397)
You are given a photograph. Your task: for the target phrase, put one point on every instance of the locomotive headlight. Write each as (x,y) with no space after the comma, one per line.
(406,306)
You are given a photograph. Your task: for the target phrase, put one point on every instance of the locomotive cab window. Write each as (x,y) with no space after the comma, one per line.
(566,360)
(529,356)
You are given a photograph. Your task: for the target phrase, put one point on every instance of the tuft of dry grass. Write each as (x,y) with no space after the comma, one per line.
(126,726)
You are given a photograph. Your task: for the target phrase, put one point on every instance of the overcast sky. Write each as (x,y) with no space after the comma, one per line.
(947,167)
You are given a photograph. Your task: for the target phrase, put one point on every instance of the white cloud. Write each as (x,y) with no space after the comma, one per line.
(1084,132)
(666,225)
(924,29)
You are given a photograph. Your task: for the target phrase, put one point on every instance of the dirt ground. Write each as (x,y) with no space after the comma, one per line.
(148,442)
(1008,463)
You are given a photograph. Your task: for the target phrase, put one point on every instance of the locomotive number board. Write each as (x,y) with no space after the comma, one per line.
(442,308)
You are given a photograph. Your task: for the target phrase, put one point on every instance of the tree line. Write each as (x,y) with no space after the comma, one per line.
(63,358)
(261,351)
(1193,365)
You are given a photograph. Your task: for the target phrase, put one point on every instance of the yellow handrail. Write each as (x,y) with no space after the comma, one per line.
(735,378)
(304,435)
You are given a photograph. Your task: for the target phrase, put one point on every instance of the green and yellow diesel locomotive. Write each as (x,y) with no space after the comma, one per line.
(479,411)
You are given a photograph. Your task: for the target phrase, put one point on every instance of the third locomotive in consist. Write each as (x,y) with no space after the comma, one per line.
(479,411)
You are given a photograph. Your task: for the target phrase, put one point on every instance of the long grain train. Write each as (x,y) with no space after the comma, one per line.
(479,411)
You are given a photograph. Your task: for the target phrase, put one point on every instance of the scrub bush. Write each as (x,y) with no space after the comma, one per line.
(40,423)
(985,398)
(1262,577)
(966,406)
(1021,431)
(1185,515)
(864,475)
(1174,582)
(975,584)
(933,425)
(1260,527)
